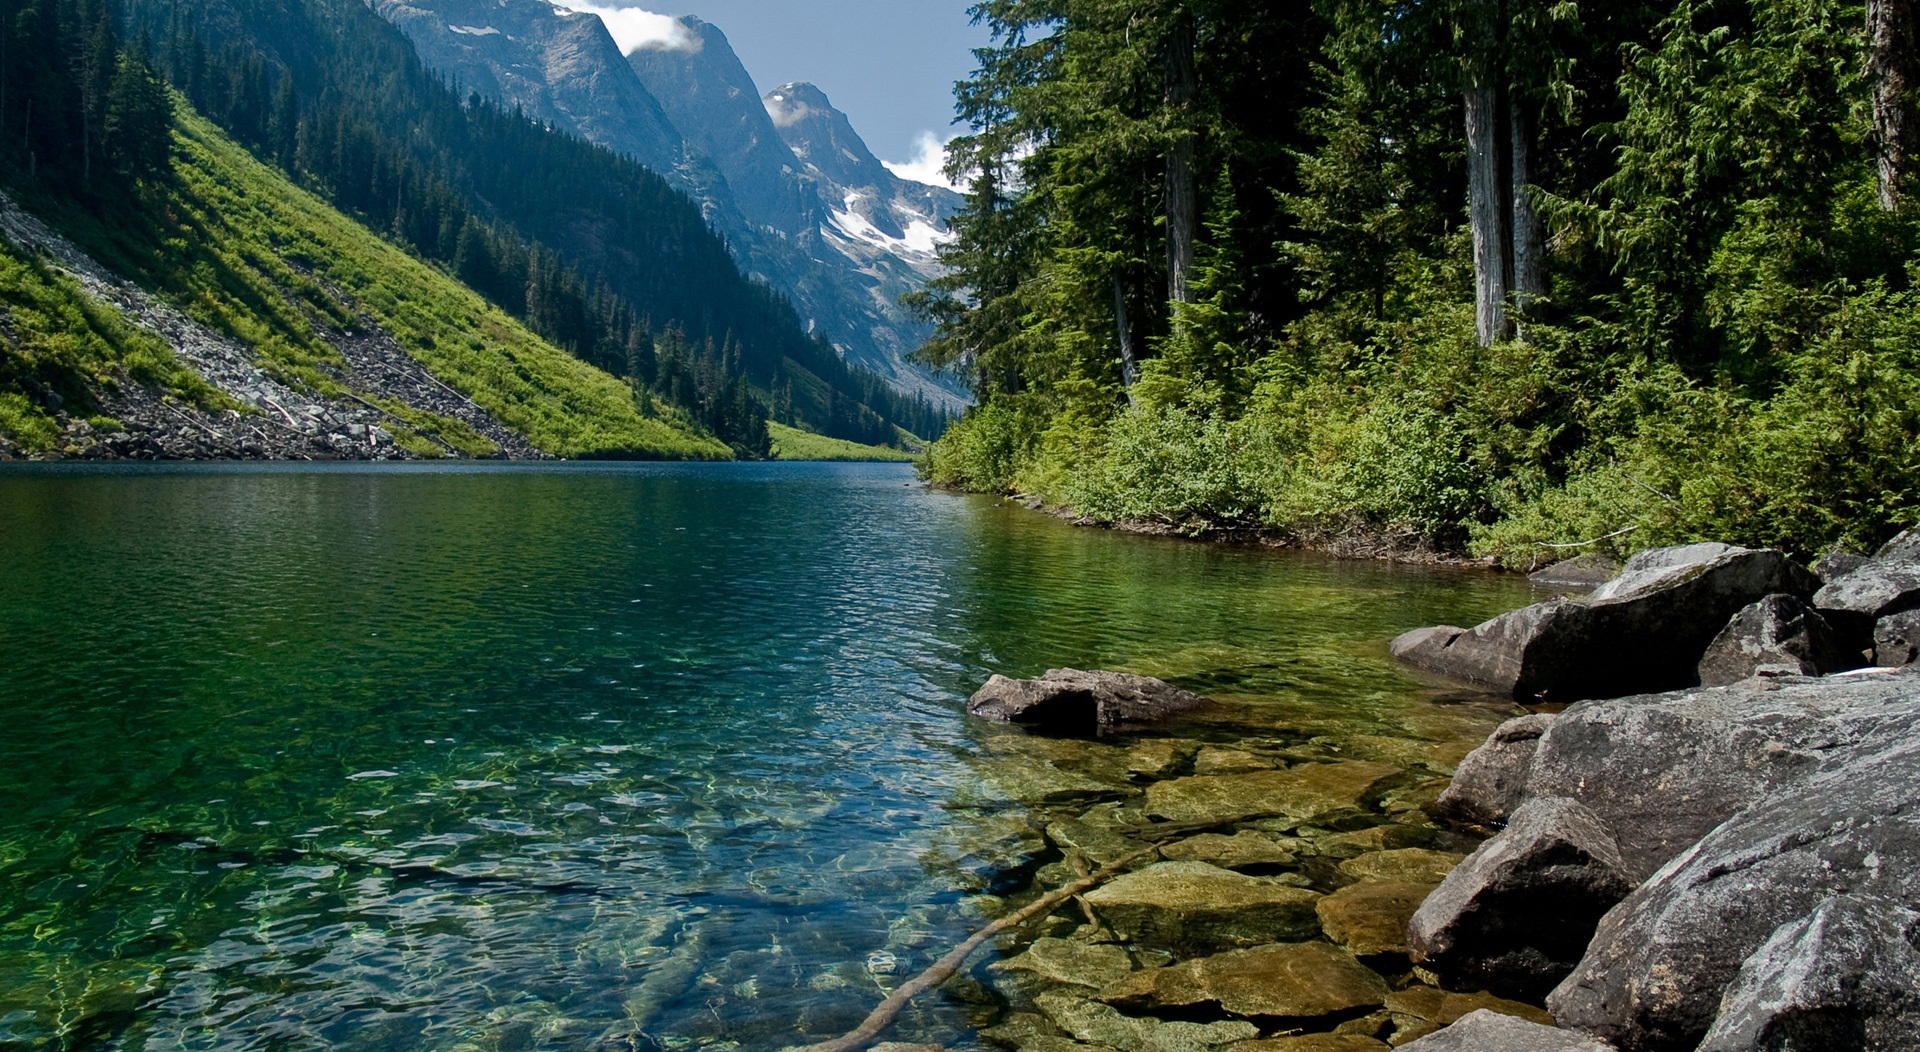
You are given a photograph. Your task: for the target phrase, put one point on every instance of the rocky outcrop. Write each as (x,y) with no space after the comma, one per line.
(1660,771)
(1515,917)
(1779,633)
(1488,1031)
(1664,608)
(1072,701)
(1846,977)
(1654,976)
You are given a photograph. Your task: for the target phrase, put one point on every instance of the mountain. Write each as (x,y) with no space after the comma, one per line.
(841,240)
(221,311)
(560,67)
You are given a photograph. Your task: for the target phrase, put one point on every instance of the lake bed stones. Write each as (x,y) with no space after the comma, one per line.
(1194,905)
(1310,793)
(1095,1023)
(1070,961)
(1243,850)
(1371,919)
(1410,865)
(1296,981)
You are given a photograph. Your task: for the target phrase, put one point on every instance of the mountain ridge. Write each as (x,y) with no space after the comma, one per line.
(843,263)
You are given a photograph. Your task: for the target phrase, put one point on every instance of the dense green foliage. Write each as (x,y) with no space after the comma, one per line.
(591,250)
(1695,316)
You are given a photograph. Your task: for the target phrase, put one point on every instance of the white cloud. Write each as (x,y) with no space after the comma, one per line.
(635,29)
(929,157)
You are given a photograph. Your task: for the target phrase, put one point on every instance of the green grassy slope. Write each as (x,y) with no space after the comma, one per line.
(238,247)
(791,443)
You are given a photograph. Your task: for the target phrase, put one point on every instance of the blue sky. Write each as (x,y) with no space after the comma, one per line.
(889,64)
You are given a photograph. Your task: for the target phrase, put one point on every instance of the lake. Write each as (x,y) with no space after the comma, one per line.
(504,757)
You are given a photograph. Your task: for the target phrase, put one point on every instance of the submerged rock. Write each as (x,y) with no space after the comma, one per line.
(1313,1043)
(1487,1031)
(1663,609)
(1073,701)
(1654,975)
(1241,850)
(1098,1024)
(1305,980)
(1071,961)
(1847,977)
(1161,758)
(1517,914)
(1371,919)
(1663,770)
(1779,631)
(1199,906)
(1411,865)
(1306,794)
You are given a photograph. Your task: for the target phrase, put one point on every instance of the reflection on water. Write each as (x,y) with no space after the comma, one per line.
(501,758)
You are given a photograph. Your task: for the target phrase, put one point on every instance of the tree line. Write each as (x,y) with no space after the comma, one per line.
(1497,274)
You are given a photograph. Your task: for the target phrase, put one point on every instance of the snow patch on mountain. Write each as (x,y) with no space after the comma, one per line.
(475,31)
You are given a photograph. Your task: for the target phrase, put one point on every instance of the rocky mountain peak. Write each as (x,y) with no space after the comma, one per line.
(822,138)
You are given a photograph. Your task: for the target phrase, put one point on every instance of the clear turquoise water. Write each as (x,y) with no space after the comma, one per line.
(512,757)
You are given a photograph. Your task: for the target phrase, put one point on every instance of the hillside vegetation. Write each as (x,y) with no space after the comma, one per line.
(790,443)
(1521,277)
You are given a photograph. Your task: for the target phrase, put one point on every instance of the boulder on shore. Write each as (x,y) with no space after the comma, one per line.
(1515,917)
(1663,609)
(1663,770)
(1072,701)
(1581,571)
(1780,630)
(1492,781)
(1884,585)
(1896,640)
(1843,978)
(1653,978)
(1489,1031)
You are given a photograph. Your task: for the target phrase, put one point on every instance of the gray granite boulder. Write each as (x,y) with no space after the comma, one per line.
(1492,780)
(1581,571)
(1835,565)
(1663,770)
(1886,584)
(1653,978)
(1645,630)
(1073,701)
(1846,977)
(1489,1031)
(1896,640)
(1780,630)
(1515,917)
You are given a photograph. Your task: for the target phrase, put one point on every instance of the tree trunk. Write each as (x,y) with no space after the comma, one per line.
(1183,206)
(1486,187)
(1529,234)
(1891,40)
(1129,363)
